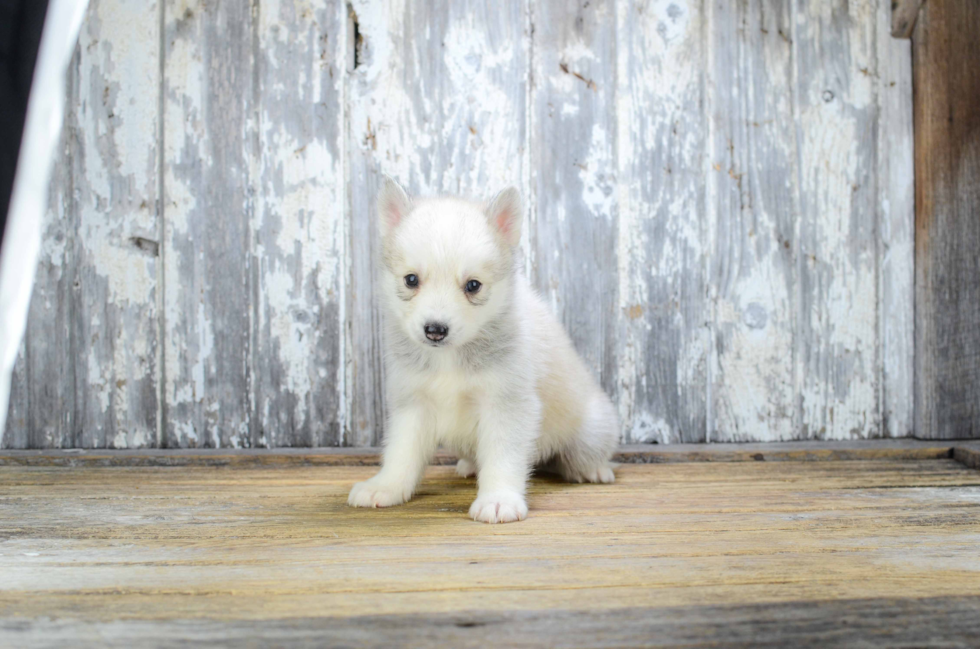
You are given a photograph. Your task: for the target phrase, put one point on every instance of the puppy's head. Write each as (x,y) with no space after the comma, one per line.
(448,263)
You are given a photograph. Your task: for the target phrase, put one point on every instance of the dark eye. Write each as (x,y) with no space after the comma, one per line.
(411,280)
(473,286)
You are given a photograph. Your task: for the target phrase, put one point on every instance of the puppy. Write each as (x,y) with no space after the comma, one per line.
(476,362)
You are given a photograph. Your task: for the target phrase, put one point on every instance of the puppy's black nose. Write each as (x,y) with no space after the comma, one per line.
(436,331)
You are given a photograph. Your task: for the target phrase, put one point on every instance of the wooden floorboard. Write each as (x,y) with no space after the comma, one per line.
(896,622)
(877,552)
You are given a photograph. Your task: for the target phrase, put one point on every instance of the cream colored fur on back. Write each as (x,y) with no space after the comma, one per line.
(505,389)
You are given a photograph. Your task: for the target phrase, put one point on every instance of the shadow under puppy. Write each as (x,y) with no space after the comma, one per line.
(475,361)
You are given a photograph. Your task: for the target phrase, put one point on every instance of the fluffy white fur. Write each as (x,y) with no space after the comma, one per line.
(505,389)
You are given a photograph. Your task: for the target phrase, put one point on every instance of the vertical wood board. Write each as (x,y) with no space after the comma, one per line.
(896,230)
(209,122)
(837,352)
(947,220)
(115,190)
(298,259)
(42,399)
(663,335)
(753,197)
(89,358)
(572,230)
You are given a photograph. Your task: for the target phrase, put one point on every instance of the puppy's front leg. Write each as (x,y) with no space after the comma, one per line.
(507,433)
(408,447)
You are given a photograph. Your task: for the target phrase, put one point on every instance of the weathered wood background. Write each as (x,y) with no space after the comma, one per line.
(719,198)
(947,242)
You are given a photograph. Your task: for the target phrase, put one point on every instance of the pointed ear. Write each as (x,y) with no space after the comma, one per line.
(393,205)
(505,215)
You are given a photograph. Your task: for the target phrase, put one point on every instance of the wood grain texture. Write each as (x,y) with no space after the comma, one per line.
(159,556)
(969,456)
(869,622)
(896,231)
(878,449)
(837,356)
(904,15)
(437,100)
(298,259)
(42,399)
(947,221)
(572,227)
(664,335)
(115,190)
(209,139)
(752,208)
(92,342)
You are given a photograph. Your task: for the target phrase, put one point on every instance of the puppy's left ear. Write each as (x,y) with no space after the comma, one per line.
(506,214)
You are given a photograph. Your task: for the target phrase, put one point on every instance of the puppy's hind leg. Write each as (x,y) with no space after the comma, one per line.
(586,456)
(465,468)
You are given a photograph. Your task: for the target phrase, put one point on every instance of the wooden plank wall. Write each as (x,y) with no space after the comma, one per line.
(947,185)
(718,198)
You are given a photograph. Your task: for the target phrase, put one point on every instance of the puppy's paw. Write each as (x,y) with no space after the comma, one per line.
(600,474)
(603,474)
(500,507)
(465,468)
(374,493)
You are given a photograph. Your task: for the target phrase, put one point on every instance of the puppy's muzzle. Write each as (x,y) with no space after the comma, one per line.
(436,331)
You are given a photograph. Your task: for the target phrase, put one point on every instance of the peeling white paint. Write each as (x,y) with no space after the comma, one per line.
(598,187)
(839,392)
(753,294)
(646,429)
(672,19)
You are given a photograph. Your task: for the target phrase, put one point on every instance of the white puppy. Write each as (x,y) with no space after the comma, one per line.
(475,361)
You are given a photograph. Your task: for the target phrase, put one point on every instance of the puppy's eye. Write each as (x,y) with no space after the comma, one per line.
(473,286)
(411,280)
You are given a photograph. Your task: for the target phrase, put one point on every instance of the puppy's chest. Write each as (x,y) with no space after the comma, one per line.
(454,397)
(444,388)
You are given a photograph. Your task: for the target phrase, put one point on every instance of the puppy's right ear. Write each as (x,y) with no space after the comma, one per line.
(393,205)
(505,215)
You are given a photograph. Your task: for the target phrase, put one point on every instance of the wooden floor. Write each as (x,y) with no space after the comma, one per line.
(878,552)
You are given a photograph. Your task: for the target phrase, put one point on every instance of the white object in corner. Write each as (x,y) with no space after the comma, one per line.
(28,199)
